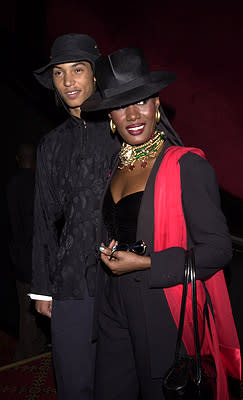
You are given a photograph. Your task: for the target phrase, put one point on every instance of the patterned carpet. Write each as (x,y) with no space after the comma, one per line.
(30,379)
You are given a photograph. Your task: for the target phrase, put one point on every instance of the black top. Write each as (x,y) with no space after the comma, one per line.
(121,218)
(20,198)
(72,167)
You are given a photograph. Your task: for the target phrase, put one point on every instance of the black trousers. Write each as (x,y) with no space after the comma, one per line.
(73,352)
(123,363)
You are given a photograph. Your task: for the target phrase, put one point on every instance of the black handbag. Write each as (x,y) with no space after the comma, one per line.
(190,378)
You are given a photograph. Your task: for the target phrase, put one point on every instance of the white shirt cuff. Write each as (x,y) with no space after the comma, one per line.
(39,297)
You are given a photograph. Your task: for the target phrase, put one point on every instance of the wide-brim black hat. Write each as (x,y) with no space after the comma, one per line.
(123,78)
(71,47)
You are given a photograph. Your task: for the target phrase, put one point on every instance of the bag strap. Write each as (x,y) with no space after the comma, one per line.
(192,267)
(183,308)
(190,275)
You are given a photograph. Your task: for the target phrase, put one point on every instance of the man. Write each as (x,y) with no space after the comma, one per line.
(72,166)
(32,337)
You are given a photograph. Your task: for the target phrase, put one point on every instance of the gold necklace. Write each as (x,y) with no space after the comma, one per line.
(130,154)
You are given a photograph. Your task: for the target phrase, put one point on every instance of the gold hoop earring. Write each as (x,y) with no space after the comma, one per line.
(157,116)
(112,126)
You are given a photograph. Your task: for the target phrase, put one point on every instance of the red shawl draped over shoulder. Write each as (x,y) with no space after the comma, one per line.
(170,231)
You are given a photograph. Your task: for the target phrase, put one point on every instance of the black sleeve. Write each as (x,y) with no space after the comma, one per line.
(206,226)
(46,211)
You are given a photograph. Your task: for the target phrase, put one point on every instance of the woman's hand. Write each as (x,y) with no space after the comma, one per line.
(121,262)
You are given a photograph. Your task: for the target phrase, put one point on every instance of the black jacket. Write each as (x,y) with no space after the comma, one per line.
(72,167)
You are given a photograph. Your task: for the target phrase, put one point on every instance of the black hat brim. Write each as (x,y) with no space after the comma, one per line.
(159,80)
(44,74)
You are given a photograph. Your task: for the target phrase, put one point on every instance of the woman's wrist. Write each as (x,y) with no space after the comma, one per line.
(145,262)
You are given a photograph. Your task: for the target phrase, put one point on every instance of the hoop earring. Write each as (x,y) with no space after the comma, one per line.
(112,126)
(157,116)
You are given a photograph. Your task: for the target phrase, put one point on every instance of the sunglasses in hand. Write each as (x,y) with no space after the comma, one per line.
(138,247)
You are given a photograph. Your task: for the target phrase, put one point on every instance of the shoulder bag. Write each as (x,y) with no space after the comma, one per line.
(190,378)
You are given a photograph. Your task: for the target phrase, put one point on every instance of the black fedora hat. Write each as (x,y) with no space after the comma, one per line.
(124,77)
(68,48)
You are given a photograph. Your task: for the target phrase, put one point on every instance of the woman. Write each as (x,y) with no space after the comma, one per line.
(161,199)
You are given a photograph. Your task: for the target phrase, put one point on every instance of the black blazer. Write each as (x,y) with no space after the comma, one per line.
(207,233)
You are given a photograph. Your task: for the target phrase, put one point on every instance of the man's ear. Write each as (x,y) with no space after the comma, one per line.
(94,83)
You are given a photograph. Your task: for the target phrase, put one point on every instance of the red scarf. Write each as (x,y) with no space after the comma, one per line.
(170,231)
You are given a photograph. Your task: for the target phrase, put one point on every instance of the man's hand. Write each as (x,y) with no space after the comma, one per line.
(44,307)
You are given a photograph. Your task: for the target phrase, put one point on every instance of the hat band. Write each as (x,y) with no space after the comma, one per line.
(125,87)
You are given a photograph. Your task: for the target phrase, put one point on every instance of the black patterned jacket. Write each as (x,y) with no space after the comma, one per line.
(72,168)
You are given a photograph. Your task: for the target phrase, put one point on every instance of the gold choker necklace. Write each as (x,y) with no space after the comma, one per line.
(130,154)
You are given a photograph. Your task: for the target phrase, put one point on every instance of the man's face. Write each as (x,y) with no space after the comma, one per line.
(75,83)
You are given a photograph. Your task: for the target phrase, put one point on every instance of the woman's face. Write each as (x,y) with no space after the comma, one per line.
(136,122)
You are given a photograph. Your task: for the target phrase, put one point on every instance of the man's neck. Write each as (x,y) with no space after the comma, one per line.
(75,112)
